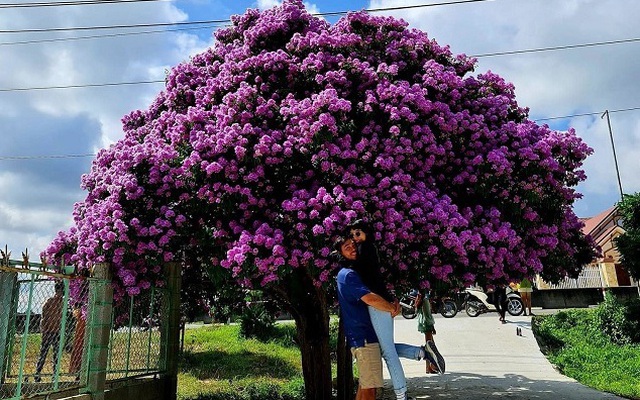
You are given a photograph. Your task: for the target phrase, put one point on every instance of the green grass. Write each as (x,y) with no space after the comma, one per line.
(219,364)
(573,341)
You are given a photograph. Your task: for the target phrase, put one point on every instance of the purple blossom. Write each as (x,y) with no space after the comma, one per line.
(264,147)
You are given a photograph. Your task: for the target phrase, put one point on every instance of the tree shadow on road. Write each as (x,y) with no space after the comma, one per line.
(470,386)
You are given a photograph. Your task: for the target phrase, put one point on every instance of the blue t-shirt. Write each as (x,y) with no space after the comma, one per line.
(354,312)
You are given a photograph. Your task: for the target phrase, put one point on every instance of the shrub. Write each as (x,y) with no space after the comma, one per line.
(257,322)
(545,333)
(632,315)
(285,334)
(610,318)
(582,350)
(333,333)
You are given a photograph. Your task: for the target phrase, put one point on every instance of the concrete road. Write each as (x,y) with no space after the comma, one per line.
(485,360)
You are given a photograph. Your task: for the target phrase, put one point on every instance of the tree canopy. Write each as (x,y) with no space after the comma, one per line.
(264,147)
(628,244)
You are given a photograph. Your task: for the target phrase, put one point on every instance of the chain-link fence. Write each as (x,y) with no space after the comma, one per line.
(50,328)
(41,332)
(137,330)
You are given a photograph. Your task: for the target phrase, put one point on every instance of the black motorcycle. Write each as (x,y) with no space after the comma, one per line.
(445,306)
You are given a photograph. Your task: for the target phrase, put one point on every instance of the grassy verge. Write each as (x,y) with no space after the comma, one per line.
(574,341)
(219,364)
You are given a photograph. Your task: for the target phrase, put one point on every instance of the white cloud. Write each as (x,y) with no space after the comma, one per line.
(557,83)
(38,195)
(265,4)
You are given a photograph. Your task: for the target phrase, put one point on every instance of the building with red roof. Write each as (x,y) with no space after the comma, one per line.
(606,271)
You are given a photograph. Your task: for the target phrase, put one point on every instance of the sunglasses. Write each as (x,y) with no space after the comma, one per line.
(357,234)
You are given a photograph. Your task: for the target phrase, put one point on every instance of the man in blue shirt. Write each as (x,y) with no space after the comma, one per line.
(354,297)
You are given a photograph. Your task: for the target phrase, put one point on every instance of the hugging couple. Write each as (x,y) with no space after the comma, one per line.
(367,310)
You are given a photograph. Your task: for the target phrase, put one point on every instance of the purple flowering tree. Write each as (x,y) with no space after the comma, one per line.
(263,148)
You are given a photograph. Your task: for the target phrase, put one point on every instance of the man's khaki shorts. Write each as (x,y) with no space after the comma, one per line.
(369,365)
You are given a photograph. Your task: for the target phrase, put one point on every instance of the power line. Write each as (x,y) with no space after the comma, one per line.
(554,48)
(104,27)
(24,89)
(226,21)
(612,42)
(45,157)
(568,116)
(447,3)
(588,114)
(110,35)
(65,156)
(216,23)
(513,52)
(69,3)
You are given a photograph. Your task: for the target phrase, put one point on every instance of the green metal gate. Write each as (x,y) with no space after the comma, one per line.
(54,328)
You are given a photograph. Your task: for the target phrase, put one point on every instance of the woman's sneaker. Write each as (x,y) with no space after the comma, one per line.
(434,356)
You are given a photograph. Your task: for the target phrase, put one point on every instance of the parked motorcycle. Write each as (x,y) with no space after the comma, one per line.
(444,305)
(477,302)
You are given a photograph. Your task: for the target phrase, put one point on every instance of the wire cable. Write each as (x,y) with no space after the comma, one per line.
(587,114)
(494,54)
(104,27)
(46,157)
(65,156)
(110,35)
(447,3)
(91,85)
(70,3)
(225,21)
(217,23)
(555,48)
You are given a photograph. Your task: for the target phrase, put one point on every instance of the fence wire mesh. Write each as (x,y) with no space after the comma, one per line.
(42,336)
(46,320)
(135,346)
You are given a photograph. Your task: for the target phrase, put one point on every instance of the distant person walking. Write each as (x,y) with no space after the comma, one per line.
(50,329)
(500,301)
(78,342)
(525,290)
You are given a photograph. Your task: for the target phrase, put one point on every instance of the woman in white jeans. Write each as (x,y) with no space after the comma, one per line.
(368,267)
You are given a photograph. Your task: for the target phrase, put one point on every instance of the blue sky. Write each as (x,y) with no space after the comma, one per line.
(47,133)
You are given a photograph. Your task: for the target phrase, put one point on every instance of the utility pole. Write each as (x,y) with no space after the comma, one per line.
(615,160)
(613,148)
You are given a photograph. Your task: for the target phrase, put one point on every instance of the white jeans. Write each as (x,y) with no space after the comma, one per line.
(391,351)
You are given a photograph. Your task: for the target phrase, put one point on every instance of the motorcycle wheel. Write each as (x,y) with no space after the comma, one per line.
(448,309)
(472,308)
(515,306)
(409,313)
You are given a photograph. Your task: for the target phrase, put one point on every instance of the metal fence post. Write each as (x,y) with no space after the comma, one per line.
(99,330)
(170,336)
(7,284)
(25,336)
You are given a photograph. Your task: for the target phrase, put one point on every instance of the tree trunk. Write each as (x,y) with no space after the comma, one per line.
(308,306)
(345,366)
(313,337)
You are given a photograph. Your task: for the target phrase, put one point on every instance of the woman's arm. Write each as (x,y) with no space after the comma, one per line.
(378,302)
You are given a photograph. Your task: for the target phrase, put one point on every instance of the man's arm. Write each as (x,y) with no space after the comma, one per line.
(378,302)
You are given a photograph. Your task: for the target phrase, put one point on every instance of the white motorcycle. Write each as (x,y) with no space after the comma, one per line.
(477,302)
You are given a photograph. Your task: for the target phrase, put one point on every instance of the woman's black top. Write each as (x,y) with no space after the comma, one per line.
(368,267)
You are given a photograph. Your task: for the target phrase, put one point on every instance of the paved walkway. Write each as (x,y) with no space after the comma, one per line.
(485,360)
